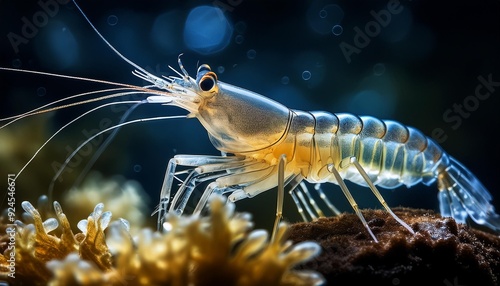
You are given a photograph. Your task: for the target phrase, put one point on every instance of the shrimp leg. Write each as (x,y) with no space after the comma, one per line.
(212,188)
(311,200)
(352,160)
(165,193)
(351,200)
(322,195)
(294,182)
(297,187)
(281,192)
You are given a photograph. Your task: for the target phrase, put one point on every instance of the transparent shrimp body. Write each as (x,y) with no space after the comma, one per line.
(318,146)
(267,145)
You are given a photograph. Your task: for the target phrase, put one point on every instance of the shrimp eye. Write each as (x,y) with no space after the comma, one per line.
(207,82)
(204,68)
(206,79)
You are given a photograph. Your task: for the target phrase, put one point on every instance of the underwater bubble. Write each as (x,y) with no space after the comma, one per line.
(17,63)
(220,69)
(239,39)
(337,30)
(137,168)
(207,30)
(306,75)
(41,91)
(323,13)
(285,80)
(378,69)
(308,63)
(322,18)
(112,20)
(251,54)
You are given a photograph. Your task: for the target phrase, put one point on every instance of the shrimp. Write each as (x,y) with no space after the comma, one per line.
(274,146)
(266,145)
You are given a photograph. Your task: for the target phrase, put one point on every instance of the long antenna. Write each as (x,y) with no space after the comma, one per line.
(42,109)
(113,48)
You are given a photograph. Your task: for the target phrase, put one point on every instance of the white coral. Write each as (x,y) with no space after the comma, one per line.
(217,249)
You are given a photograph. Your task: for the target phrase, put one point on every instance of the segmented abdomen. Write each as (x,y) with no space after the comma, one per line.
(391,153)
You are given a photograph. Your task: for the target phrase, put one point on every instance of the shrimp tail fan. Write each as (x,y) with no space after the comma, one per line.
(462,195)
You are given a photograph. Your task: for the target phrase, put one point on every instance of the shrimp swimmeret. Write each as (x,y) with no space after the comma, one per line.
(265,145)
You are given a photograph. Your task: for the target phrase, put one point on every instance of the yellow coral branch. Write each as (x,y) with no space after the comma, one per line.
(219,249)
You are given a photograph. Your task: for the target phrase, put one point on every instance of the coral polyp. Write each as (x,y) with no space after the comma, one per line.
(220,248)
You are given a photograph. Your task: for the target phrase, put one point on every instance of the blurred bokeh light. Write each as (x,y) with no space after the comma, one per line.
(207,30)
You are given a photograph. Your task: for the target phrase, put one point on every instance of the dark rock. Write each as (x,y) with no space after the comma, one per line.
(441,252)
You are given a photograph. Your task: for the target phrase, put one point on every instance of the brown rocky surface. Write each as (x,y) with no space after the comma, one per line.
(441,252)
